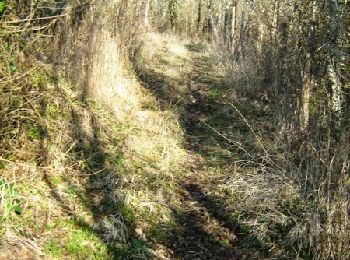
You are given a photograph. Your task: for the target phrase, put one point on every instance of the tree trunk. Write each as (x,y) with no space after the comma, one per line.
(199,17)
(210,19)
(333,64)
(308,81)
(173,13)
(233,26)
(226,31)
(146,7)
(306,94)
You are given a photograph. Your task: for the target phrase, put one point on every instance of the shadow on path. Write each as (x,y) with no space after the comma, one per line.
(203,229)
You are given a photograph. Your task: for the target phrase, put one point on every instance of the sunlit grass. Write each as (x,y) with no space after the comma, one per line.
(118,126)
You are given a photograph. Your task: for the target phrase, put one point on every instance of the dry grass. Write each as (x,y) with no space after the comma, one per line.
(320,222)
(164,57)
(90,159)
(143,153)
(63,158)
(266,202)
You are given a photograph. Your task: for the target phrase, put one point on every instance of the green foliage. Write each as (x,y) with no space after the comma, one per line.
(117,159)
(54,249)
(173,6)
(40,78)
(128,214)
(56,180)
(10,200)
(216,92)
(2,5)
(73,191)
(281,56)
(53,111)
(136,250)
(12,66)
(160,233)
(34,132)
(79,243)
(224,243)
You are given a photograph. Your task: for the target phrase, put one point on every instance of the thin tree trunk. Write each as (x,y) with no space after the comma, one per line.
(226,31)
(199,17)
(146,6)
(308,81)
(333,65)
(306,94)
(210,19)
(173,13)
(233,26)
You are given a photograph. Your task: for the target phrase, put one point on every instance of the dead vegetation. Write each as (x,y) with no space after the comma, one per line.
(81,165)
(118,143)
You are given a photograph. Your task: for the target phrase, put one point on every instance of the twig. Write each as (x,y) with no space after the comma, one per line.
(20,164)
(34,19)
(18,77)
(34,29)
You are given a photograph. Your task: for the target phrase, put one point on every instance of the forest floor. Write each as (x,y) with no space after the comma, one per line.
(222,207)
(166,163)
(202,229)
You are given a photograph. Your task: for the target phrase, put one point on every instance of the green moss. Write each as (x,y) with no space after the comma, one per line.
(128,214)
(53,111)
(216,92)
(117,159)
(158,233)
(224,243)
(56,180)
(34,132)
(73,191)
(40,78)
(54,249)
(80,242)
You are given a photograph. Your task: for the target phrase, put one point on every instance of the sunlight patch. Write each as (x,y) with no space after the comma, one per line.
(178,49)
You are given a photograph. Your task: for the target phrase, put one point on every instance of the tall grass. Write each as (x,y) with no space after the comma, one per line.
(98,129)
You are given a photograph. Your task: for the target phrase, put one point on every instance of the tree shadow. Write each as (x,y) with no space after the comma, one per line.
(217,209)
(192,238)
(204,118)
(43,160)
(191,241)
(98,189)
(94,182)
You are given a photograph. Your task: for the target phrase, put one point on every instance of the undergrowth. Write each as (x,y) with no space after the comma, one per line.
(78,175)
(101,157)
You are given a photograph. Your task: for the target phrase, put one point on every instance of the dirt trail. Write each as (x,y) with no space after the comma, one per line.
(200,234)
(205,231)
(203,228)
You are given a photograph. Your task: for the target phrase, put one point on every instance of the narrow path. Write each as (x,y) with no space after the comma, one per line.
(203,229)
(200,235)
